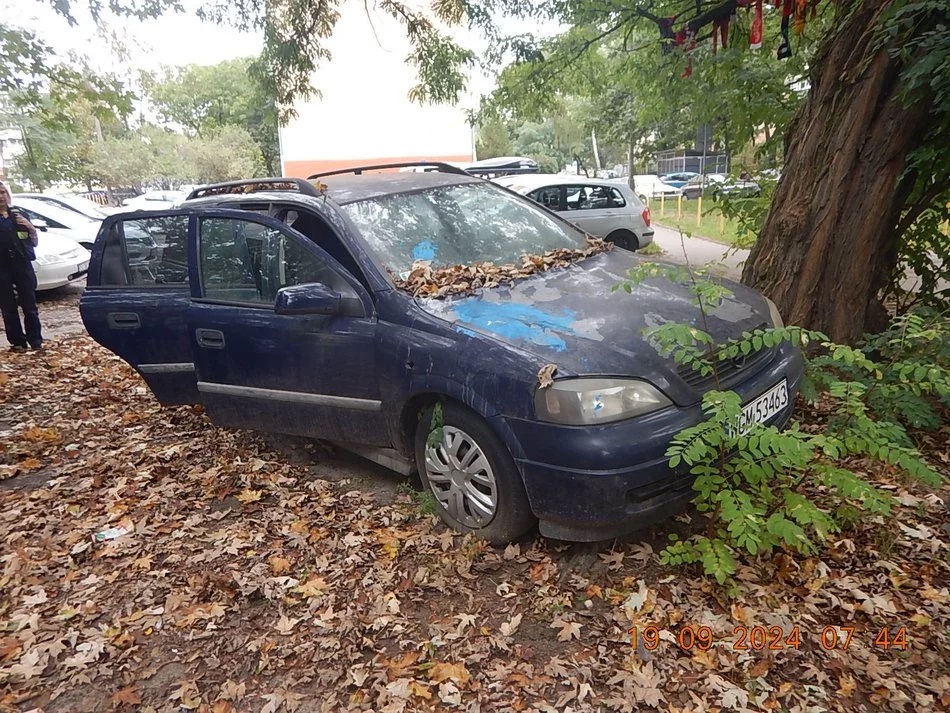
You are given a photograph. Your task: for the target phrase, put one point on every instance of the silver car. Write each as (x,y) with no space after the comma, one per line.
(602,207)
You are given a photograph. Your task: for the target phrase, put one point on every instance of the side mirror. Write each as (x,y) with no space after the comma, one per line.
(40,224)
(314,298)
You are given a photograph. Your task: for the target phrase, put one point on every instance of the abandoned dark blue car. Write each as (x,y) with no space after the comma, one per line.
(280,305)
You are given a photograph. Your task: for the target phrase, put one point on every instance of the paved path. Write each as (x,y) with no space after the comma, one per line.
(700,251)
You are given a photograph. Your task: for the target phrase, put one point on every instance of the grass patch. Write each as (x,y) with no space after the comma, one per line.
(423,500)
(712,225)
(651,249)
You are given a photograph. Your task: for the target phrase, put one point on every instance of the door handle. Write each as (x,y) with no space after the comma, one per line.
(123,320)
(210,338)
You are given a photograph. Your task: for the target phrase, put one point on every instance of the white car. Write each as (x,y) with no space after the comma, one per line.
(155,200)
(59,261)
(67,201)
(59,221)
(603,207)
(650,187)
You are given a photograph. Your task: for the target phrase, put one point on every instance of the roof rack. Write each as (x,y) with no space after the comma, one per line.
(255,185)
(439,166)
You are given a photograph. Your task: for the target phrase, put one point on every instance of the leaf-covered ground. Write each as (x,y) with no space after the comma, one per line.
(252,581)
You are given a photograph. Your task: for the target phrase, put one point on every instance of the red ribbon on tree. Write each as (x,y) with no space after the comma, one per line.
(755,33)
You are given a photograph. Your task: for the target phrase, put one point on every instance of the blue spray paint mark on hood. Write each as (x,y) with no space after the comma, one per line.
(425,250)
(518,322)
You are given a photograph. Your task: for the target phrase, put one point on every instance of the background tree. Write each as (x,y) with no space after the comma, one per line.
(205,99)
(493,138)
(864,157)
(225,154)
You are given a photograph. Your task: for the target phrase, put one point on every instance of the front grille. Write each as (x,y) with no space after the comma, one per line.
(729,371)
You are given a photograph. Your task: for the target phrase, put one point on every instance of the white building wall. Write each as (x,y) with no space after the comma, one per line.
(363,114)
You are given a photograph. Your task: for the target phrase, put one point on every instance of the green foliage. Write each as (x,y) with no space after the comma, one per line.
(434,439)
(423,500)
(908,383)
(764,489)
(924,252)
(205,99)
(494,139)
(748,212)
(611,55)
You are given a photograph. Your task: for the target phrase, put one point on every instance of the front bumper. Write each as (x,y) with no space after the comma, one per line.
(49,277)
(589,483)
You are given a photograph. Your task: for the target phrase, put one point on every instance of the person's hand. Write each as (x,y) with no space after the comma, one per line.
(24,223)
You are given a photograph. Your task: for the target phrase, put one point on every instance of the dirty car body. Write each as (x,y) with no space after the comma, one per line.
(278,310)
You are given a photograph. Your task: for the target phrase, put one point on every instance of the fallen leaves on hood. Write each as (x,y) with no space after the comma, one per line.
(425,281)
(259,578)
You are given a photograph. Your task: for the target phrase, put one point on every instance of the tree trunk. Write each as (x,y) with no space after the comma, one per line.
(829,240)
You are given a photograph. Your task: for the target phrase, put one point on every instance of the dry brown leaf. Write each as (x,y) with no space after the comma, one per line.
(546,375)
(449,671)
(424,281)
(313,587)
(126,696)
(279,565)
(248,495)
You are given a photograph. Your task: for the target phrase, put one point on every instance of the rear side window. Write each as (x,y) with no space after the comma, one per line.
(147,252)
(549,197)
(593,198)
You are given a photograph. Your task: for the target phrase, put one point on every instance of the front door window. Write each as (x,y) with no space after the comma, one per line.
(247,262)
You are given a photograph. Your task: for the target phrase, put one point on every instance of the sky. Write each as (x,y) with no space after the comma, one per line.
(172,40)
(168,41)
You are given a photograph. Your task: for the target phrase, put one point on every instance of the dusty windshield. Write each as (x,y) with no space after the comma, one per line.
(462,224)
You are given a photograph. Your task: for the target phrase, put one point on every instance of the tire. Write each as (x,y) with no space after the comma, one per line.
(504,514)
(624,239)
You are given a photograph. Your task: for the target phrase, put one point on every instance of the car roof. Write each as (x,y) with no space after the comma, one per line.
(536,180)
(346,188)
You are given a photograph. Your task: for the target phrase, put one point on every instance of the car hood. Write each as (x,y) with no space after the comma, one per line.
(572,318)
(52,242)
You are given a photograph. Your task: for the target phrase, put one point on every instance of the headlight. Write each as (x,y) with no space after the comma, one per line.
(774,314)
(583,402)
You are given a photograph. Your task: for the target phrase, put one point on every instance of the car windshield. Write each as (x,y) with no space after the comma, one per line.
(83,206)
(54,213)
(461,224)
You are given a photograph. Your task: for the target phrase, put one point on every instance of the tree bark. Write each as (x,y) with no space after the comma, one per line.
(830,239)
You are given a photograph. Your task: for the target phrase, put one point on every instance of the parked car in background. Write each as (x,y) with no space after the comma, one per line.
(650,187)
(678,180)
(59,260)
(602,207)
(154,200)
(719,184)
(60,221)
(294,315)
(77,204)
(502,166)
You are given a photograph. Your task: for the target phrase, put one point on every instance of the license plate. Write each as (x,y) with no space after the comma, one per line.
(82,266)
(762,408)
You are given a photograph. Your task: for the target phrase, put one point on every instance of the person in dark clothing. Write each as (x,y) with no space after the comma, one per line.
(17,279)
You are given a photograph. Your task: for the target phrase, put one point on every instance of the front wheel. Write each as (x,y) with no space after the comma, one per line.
(472,476)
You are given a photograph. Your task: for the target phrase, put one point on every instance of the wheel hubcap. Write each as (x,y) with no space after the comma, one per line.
(461,478)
